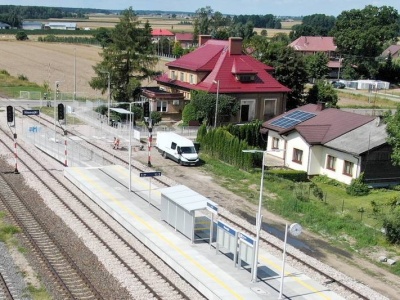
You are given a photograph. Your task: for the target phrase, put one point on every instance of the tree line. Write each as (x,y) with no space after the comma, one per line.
(13,14)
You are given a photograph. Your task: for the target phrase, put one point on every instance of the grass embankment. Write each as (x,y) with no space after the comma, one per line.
(363,100)
(11,86)
(344,220)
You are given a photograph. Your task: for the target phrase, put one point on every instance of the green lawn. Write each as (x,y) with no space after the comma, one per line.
(346,220)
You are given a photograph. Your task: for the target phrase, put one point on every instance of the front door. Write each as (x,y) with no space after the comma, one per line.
(244,113)
(247,110)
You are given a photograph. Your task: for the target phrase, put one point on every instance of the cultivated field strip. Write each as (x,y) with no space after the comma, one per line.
(71,283)
(147,274)
(5,286)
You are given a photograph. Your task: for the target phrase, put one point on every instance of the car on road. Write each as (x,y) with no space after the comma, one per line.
(338,85)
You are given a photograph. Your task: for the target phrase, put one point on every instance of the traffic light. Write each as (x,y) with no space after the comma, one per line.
(146,109)
(10,114)
(60,109)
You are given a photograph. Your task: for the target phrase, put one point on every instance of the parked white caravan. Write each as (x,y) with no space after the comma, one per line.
(176,147)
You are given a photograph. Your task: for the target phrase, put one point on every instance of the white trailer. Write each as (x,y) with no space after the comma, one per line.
(177,148)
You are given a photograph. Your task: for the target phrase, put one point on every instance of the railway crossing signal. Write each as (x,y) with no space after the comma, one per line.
(146,109)
(10,114)
(60,109)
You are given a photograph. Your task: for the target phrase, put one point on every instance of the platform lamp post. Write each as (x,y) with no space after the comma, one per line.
(109,94)
(259,216)
(130,145)
(216,103)
(295,230)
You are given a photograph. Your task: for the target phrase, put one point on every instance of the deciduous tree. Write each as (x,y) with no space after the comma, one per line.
(361,35)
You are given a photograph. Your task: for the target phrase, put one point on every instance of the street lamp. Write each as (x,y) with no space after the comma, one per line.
(295,230)
(259,217)
(109,95)
(216,103)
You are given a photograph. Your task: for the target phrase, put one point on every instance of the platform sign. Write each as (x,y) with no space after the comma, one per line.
(226,228)
(246,249)
(30,112)
(150,174)
(227,238)
(244,238)
(212,208)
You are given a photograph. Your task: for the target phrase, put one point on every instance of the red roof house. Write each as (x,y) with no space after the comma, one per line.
(310,45)
(158,32)
(222,67)
(185,39)
(332,142)
(394,51)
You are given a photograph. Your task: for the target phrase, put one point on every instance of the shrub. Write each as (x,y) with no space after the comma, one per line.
(188,114)
(293,175)
(155,117)
(357,187)
(4,72)
(391,223)
(21,36)
(22,77)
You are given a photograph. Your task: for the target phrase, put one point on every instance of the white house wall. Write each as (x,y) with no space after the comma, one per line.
(296,141)
(341,157)
(281,145)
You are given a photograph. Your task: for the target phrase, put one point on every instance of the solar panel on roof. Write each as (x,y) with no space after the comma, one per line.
(292,119)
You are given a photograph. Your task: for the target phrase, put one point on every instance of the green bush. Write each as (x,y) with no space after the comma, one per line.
(188,114)
(293,175)
(155,117)
(22,77)
(391,223)
(21,36)
(357,187)
(4,72)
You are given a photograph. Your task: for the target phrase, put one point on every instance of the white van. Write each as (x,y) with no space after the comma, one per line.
(176,147)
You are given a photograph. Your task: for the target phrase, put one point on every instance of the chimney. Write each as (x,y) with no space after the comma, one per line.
(320,106)
(203,39)
(235,45)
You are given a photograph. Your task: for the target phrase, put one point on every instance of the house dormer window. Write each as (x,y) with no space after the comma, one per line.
(245,77)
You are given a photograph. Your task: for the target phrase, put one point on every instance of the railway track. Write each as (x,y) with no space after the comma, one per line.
(149,275)
(5,289)
(71,282)
(326,278)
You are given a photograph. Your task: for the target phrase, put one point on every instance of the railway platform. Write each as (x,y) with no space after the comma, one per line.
(212,272)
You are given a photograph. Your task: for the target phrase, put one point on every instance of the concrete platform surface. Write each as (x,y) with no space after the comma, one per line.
(213,274)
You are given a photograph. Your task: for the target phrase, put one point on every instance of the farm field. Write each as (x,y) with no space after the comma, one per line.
(50,62)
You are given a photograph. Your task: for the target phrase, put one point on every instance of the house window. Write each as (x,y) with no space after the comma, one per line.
(297,156)
(162,106)
(269,108)
(182,76)
(173,76)
(348,168)
(191,79)
(330,162)
(275,143)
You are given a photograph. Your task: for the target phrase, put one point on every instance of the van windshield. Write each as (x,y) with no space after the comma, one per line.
(188,150)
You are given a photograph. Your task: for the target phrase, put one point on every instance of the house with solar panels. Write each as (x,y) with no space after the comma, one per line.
(332,142)
(219,67)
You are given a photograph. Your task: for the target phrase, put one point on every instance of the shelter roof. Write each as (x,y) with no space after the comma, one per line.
(186,198)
